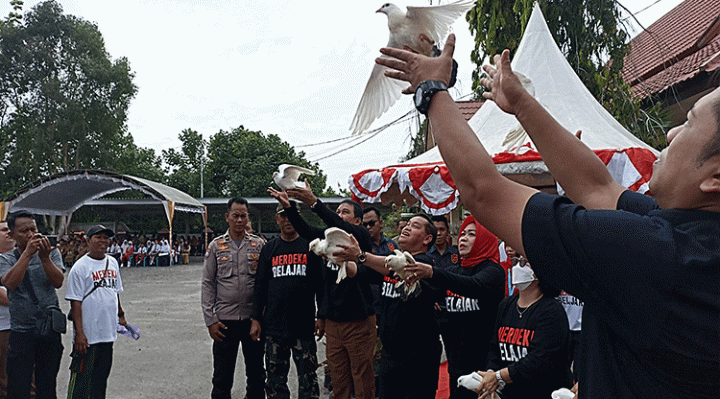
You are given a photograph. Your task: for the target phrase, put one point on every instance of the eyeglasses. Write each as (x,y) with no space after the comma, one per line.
(370,223)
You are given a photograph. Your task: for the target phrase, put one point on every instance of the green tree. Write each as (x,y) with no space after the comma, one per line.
(589,33)
(241,163)
(63,101)
(183,167)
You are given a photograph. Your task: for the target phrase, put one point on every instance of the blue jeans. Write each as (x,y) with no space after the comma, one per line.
(30,353)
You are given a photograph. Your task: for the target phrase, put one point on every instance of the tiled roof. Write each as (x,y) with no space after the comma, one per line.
(469,108)
(675,48)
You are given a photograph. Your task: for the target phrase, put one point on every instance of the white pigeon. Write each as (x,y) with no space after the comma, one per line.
(562,393)
(397,262)
(472,381)
(287,176)
(326,247)
(420,29)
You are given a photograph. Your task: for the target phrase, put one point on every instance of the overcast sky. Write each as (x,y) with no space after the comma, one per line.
(291,68)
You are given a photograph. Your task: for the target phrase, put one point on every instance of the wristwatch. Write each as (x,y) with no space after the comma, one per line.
(501,382)
(362,257)
(425,92)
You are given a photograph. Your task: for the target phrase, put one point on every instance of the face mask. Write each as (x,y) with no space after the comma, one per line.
(522,276)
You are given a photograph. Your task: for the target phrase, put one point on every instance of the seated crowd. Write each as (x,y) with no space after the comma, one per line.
(135,249)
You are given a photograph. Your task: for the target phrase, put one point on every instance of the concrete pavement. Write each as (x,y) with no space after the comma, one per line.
(173,358)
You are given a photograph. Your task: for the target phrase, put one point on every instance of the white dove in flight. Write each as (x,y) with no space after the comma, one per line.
(419,29)
(328,245)
(287,176)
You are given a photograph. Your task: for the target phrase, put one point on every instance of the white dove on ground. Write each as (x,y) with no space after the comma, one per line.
(397,263)
(325,247)
(420,29)
(287,176)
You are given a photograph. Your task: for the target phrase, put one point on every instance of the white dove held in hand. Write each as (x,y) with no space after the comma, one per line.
(397,263)
(562,393)
(470,381)
(287,176)
(420,29)
(326,247)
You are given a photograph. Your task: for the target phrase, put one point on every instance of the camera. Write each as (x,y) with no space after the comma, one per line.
(52,239)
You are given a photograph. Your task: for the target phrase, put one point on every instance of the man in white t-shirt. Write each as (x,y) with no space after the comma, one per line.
(94,286)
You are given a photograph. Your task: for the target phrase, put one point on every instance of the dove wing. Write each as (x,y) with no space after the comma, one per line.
(437,19)
(295,171)
(380,94)
(336,236)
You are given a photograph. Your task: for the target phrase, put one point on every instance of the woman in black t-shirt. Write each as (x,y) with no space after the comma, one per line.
(528,352)
(471,292)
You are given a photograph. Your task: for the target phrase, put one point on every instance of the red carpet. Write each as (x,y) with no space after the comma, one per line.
(443,391)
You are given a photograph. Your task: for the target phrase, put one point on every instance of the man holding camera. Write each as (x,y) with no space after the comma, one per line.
(31,273)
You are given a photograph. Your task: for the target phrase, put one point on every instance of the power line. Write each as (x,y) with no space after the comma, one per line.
(367,136)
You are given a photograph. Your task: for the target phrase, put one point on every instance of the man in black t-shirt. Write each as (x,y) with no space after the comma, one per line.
(349,314)
(646,269)
(408,330)
(288,287)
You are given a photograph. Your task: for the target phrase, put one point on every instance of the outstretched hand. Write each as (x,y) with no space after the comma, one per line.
(280,196)
(303,194)
(503,86)
(416,68)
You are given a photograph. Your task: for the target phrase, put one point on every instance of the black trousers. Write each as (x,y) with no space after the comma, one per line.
(30,353)
(89,373)
(225,355)
(411,376)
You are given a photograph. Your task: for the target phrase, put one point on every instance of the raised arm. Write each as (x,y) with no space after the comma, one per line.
(579,171)
(496,202)
(293,214)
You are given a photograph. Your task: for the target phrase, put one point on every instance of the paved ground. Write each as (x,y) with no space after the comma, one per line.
(173,357)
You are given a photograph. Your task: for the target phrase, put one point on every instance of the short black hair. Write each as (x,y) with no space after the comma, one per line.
(441,218)
(429,227)
(237,200)
(372,209)
(13,217)
(357,208)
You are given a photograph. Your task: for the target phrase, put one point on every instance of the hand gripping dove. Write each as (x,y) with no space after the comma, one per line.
(287,176)
(326,247)
(420,29)
(397,263)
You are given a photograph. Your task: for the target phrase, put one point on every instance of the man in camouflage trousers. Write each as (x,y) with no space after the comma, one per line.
(289,284)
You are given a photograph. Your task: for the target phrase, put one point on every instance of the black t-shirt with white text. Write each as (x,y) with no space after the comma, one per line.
(408,328)
(533,344)
(287,286)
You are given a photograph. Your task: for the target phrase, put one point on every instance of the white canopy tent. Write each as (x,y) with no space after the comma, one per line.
(556,86)
(63,193)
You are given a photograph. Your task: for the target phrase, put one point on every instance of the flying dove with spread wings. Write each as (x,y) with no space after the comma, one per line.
(419,29)
(287,176)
